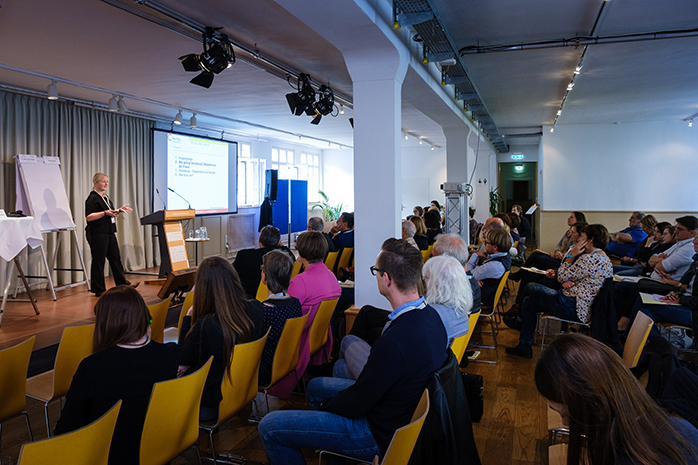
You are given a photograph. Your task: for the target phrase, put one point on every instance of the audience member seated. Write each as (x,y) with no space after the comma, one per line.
(669,265)
(408,232)
(344,232)
(279,307)
(611,418)
(626,242)
(652,245)
(220,317)
(582,274)
(489,266)
(418,211)
(454,246)
(514,222)
(432,220)
(311,287)
(548,279)
(552,260)
(448,292)
(525,226)
(681,303)
(316,224)
(420,236)
(472,226)
(124,365)
(508,226)
(360,417)
(495,222)
(248,262)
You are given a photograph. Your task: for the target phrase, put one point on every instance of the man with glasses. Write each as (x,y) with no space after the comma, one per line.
(626,242)
(488,266)
(358,418)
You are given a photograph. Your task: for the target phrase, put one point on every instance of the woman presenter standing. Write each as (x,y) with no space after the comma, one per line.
(101,234)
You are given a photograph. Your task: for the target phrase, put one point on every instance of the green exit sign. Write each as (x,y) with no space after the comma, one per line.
(517,157)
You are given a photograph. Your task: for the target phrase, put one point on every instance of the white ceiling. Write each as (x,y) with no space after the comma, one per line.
(94,43)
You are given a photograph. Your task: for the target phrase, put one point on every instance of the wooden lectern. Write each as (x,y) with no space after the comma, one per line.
(173,251)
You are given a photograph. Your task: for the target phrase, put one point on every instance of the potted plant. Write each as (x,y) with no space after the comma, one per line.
(329,212)
(495,199)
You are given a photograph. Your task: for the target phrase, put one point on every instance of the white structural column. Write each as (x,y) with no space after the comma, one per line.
(377,176)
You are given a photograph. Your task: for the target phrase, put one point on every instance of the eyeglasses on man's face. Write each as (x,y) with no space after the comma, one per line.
(375,270)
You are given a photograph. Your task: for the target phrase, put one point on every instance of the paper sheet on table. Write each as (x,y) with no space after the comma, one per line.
(626,279)
(533,208)
(533,269)
(653,299)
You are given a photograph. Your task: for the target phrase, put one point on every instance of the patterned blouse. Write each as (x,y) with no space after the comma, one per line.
(276,312)
(588,273)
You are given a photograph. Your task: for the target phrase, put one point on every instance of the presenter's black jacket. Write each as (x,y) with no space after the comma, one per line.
(94,204)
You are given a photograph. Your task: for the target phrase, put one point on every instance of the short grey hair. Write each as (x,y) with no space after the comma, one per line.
(408,229)
(639,215)
(453,246)
(316,224)
(447,284)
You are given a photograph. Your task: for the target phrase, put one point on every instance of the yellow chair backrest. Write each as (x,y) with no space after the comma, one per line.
(14,363)
(76,345)
(331,260)
(158,313)
(172,422)
(296,269)
(287,350)
(344,259)
(188,303)
(244,371)
(86,446)
(460,343)
(500,289)
(401,446)
(320,325)
(637,337)
(426,254)
(516,245)
(262,293)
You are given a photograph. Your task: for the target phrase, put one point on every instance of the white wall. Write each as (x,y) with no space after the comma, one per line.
(632,166)
(423,172)
(338,177)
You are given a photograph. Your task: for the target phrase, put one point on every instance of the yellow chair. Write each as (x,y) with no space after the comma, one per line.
(14,363)
(172,334)
(286,354)
(244,372)
(426,254)
(460,343)
(345,258)
(404,439)
(320,327)
(158,313)
(85,446)
(331,260)
(76,344)
(172,422)
(490,313)
(296,269)
(262,292)
(637,337)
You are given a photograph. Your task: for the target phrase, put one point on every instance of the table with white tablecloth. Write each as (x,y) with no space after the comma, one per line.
(15,235)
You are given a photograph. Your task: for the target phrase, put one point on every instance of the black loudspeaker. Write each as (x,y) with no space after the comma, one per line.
(271,184)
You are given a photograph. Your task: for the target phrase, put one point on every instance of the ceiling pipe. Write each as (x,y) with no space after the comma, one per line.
(580,41)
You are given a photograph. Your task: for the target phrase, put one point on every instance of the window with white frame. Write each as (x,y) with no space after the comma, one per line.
(250,177)
(306,168)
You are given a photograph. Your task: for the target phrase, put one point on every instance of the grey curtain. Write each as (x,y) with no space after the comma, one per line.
(87,141)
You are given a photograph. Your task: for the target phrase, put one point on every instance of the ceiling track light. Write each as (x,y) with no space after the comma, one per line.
(306,100)
(113,105)
(218,55)
(552,129)
(193,122)
(52,91)
(690,123)
(178,118)
(122,105)
(341,109)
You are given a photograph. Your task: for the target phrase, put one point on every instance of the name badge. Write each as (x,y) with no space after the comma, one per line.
(113,219)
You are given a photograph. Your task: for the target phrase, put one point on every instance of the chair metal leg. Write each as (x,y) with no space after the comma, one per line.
(29,427)
(48,424)
(210,440)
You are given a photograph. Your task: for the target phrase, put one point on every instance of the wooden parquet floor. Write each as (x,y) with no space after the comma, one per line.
(513,429)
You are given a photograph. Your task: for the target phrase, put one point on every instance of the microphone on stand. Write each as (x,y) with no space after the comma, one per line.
(161,199)
(172,190)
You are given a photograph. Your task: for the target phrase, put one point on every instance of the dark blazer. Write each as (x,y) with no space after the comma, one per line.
(330,243)
(343,239)
(248,264)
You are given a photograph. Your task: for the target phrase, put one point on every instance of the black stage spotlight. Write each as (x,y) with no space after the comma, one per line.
(303,99)
(324,104)
(218,55)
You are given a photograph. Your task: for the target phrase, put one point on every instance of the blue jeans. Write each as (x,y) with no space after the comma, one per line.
(353,355)
(285,432)
(624,270)
(676,314)
(543,299)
